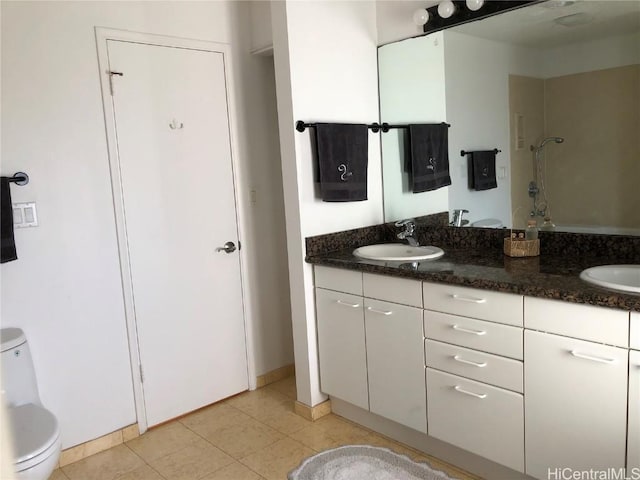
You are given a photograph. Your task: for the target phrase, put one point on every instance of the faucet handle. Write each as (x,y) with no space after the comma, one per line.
(409,225)
(457,217)
(408,221)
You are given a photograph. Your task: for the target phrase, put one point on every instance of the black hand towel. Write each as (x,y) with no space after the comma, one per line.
(482,170)
(8,244)
(343,153)
(429,156)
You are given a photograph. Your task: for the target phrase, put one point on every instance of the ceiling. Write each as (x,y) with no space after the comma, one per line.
(536,25)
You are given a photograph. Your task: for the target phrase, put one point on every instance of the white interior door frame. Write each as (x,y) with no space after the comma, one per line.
(102,36)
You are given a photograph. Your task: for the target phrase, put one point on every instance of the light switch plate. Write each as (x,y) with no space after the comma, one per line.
(25,215)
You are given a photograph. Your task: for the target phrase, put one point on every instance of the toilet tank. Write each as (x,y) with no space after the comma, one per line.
(18,375)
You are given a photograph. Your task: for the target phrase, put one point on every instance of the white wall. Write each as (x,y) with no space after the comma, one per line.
(594,55)
(326,70)
(65,290)
(477,77)
(412,90)
(262,176)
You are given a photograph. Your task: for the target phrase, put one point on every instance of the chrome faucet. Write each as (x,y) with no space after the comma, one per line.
(457,218)
(408,232)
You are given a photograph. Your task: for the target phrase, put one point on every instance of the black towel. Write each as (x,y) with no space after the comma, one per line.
(343,153)
(482,170)
(8,244)
(429,156)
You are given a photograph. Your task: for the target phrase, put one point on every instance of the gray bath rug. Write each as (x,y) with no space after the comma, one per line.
(363,462)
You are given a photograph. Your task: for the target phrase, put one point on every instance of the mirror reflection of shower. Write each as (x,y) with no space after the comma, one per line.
(538,187)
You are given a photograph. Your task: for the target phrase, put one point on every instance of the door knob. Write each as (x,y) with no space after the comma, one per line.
(228,247)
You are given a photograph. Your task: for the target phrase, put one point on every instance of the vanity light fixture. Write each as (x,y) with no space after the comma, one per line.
(420,16)
(446,8)
(475,5)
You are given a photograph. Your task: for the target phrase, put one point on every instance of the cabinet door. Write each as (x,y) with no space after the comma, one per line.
(633,443)
(485,420)
(575,404)
(395,359)
(341,347)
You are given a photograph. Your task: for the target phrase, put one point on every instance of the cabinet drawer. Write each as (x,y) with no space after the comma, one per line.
(395,361)
(391,289)
(634,334)
(341,346)
(485,420)
(339,280)
(598,324)
(470,302)
(477,334)
(480,366)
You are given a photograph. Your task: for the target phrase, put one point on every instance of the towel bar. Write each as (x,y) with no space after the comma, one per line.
(301,126)
(464,152)
(375,127)
(19,178)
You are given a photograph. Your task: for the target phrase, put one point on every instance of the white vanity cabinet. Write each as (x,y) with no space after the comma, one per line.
(575,390)
(533,384)
(371,347)
(342,355)
(395,363)
(474,371)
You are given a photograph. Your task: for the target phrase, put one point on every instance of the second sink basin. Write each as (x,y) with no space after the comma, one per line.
(617,277)
(398,252)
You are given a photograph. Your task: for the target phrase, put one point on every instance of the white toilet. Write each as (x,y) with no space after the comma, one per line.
(35,430)
(487,223)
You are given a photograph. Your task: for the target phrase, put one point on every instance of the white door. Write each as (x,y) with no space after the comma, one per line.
(171,120)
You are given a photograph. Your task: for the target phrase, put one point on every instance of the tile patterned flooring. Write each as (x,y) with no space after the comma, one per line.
(252,436)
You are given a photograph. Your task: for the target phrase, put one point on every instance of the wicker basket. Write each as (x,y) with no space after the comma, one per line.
(514,247)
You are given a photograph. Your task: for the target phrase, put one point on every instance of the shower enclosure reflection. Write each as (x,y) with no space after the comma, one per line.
(537,187)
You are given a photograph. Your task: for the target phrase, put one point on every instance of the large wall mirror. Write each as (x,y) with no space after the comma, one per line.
(555,86)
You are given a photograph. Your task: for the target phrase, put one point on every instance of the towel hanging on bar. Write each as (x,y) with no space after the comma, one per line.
(429,156)
(343,153)
(481,169)
(7,240)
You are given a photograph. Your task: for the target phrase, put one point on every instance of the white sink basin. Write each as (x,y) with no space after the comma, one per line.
(398,252)
(616,277)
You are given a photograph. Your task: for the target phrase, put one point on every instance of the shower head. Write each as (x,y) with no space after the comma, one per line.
(551,139)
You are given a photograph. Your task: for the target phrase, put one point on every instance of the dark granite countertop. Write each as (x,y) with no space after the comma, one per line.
(548,276)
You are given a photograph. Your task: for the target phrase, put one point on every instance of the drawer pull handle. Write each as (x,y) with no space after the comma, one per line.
(469,362)
(347,304)
(593,358)
(467,392)
(468,330)
(462,298)
(381,312)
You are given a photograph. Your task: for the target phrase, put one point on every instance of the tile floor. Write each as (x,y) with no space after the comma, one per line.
(252,436)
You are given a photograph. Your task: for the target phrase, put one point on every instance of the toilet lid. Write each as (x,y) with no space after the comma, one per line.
(34,430)
(487,223)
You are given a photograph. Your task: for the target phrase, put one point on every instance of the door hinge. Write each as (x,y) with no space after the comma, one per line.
(111,75)
(141,374)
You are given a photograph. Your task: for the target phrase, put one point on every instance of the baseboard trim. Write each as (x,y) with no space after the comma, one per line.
(97,445)
(275,375)
(312,413)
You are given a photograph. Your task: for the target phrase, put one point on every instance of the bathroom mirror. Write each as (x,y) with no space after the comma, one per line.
(555,86)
